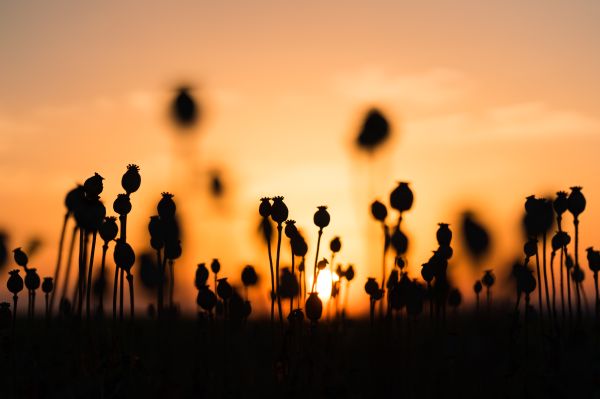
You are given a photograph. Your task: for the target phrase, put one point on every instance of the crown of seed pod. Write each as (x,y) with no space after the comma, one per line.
(279,211)
(249,276)
(215,266)
(371,286)
(15,282)
(399,241)
(477,287)
(314,307)
(224,290)
(349,273)
(173,249)
(264,209)
(401,198)
(530,204)
(93,186)
(20,257)
(109,229)
(560,203)
(122,204)
(32,279)
(335,245)
(379,211)
(166,206)
(206,299)
(444,234)
(74,198)
(321,217)
(124,256)
(290,229)
(131,179)
(201,276)
(576,201)
(47,285)
(322,264)
(488,278)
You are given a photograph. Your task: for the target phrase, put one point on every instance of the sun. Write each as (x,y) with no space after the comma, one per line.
(324,283)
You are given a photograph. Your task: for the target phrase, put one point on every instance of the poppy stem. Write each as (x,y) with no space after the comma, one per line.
(568,277)
(102,268)
(315,274)
(385,245)
(279,228)
(32,303)
(172,283)
(597,295)
(372,311)
(47,307)
(268,239)
(554,313)
(121,278)
(292,296)
(69,264)
(576,223)
(161,282)
(15,300)
(131,297)
(59,258)
(89,277)
(116,284)
(548,308)
(562,284)
(539,279)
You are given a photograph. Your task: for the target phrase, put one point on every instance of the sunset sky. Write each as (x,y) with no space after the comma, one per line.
(489,102)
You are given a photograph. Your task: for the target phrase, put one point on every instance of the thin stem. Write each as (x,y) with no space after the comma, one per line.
(47,307)
(316,259)
(172,283)
(15,300)
(69,263)
(279,228)
(131,297)
(116,284)
(546,275)
(122,278)
(597,296)
(576,223)
(268,239)
(161,282)
(554,313)
(59,258)
(291,297)
(102,268)
(539,279)
(89,277)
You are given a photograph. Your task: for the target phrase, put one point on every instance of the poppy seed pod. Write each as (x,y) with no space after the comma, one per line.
(335,245)
(322,264)
(379,211)
(560,203)
(401,198)
(561,239)
(173,249)
(374,132)
(93,186)
(593,258)
(443,234)
(392,279)
(339,271)
(578,274)
(264,209)
(224,290)
(20,257)
(215,266)
(399,241)
(569,261)
(530,247)
(314,307)
(124,256)
(454,298)
(445,252)
(371,286)
(166,206)
(530,204)
(427,272)
(299,246)
(321,217)
(400,262)
(576,201)
(109,229)
(201,276)
(74,198)
(184,108)
(32,279)
(488,278)
(288,286)
(47,285)
(279,211)
(206,299)
(529,283)
(15,282)
(249,276)
(349,273)
(122,204)
(477,287)
(131,180)
(290,229)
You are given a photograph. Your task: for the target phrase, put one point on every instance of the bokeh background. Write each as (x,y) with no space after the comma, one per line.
(488,102)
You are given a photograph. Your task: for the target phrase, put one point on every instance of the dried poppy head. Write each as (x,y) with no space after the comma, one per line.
(477,287)
(184,109)
(488,278)
(349,273)
(290,229)
(47,285)
(201,276)
(109,229)
(321,217)
(264,209)
(20,257)
(379,211)
(335,245)
(401,198)
(15,282)
(166,206)
(224,289)
(215,266)
(560,203)
(314,307)
(124,256)
(322,264)
(249,276)
(374,131)
(122,204)
(371,286)
(131,180)
(576,201)
(279,211)
(444,234)
(74,198)
(32,279)
(93,186)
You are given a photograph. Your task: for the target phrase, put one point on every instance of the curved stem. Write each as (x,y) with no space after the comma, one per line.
(89,277)
(268,239)
(539,279)
(554,314)
(59,258)
(576,223)
(279,228)
(161,282)
(15,300)
(69,264)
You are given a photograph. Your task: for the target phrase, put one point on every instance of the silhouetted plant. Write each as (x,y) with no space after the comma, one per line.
(475,236)
(264,209)
(291,232)
(488,281)
(201,277)
(576,205)
(379,212)
(374,131)
(206,299)
(454,298)
(249,278)
(321,219)
(375,293)
(349,276)
(47,288)
(15,285)
(314,307)
(559,241)
(124,258)
(477,287)
(184,108)
(108,232)
(401,199)
(32,283)
(279,214)
(593,258)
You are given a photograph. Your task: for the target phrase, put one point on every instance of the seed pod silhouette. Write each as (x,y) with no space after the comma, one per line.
(454,298)
(371,286)
(47,285)
(122,204)
(215,266)
(576,201)
(445,252)
(124,256)
(166,206)
(476,238)
(201,276)
(349,273)
(322,264)
(131,179)
(399,241)
(93,186)
(15,282)
(401,198)
(224,289)
(74,199)
(206,299)
(379,211)
(32,279)
(289,284)
(299,246)
(443,234)
(279,211)
(374,131)
(477,287)
(184,108)
(392,279)
(264,209)
(249,276)
(5,316)
(530,247)
(290,229)
(321,218)
(20,257)
(173,250)
(335,245)
(109,229)
(427,272)
(314,307)
(560,203)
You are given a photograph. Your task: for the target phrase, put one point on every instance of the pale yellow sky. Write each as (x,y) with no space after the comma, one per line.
(489,103)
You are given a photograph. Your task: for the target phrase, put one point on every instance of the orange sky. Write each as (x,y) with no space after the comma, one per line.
(489,103)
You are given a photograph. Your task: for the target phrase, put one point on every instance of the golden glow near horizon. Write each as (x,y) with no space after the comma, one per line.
(488,103)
